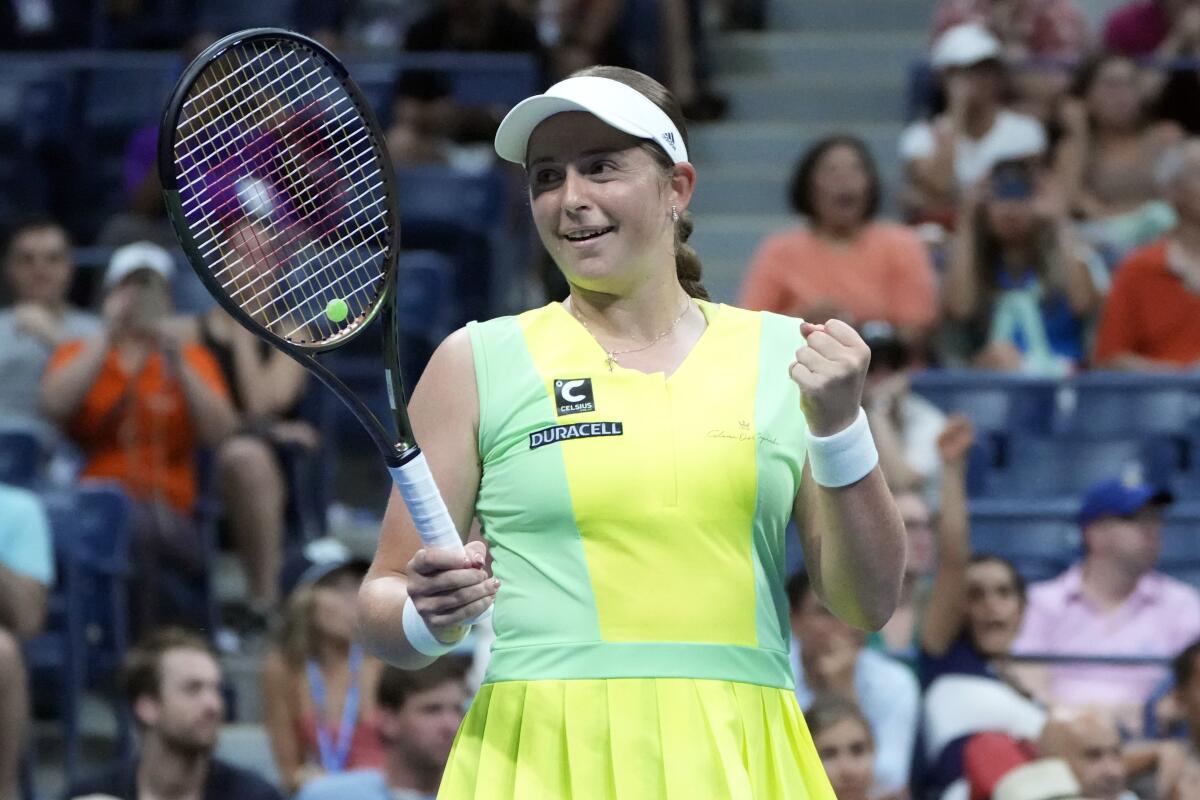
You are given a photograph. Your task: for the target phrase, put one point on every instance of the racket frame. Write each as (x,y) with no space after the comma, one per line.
(399,448)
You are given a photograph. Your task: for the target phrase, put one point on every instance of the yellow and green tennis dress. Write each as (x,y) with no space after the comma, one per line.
(636,523)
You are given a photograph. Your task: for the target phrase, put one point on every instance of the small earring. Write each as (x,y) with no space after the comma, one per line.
(674,214)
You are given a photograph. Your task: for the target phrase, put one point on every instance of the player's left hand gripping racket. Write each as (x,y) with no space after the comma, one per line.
(283,197)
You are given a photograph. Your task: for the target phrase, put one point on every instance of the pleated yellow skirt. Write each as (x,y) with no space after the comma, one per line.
(634,739)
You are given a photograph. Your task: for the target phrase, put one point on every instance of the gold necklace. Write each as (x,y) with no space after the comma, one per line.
(611,358)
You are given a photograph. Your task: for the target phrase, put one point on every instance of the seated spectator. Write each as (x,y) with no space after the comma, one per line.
(265,387)
(475,26)
(1088,740)
(970,619)
(1020,288)
(1043,38)
(26,573)
(428,126)
(139,403)
(37,270)
(1165,28)
(899,635)
(172,682)
(845,263)
(419,712)
(1039,28)
(946,155)
(1041,779)
(1151,319)
(830,659)
(319,687)
(1112,603)
(1186,672)
(905,425)
(1106,156)
(844,742)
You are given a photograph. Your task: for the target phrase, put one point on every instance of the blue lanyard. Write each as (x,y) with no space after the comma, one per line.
(335,754)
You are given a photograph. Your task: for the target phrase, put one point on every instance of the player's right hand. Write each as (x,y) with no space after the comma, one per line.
(450,588)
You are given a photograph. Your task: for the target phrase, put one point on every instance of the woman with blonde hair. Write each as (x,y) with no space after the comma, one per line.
(318,683)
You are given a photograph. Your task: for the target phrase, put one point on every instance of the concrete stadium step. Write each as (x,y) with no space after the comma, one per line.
(828,15)
(875,99)
(778,145)
(727,242)
(817,54)
(752,190)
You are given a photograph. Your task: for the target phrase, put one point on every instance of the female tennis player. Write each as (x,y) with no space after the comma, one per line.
(633,455)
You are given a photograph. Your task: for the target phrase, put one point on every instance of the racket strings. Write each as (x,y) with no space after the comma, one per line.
(282,189)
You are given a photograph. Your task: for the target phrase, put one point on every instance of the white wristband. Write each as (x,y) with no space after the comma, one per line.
(419,635)
(845,457)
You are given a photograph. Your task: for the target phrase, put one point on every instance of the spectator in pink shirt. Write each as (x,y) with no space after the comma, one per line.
(1114,603)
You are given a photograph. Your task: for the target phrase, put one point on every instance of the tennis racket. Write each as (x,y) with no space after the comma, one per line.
(283,198)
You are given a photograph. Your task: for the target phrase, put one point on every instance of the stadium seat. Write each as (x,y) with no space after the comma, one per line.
(1110,404)
(21,457)
(996,402)
(1181,539)
(86,634)
(474,202)
(1039,538)
(1065,467)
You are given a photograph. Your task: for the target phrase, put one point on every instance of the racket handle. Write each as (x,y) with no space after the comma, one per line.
(428,510)
(425,504)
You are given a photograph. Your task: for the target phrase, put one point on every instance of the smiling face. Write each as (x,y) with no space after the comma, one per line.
(601,203)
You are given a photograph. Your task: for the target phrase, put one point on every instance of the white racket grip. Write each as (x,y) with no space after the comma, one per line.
(425,504)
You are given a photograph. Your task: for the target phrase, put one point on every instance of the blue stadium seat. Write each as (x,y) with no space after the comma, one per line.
(996,402)
(425,295)
(1110,404)
(21,457)
(474,202)
(1065,467)
(1040,538)
(86,634)
(1181,539)
(488,79)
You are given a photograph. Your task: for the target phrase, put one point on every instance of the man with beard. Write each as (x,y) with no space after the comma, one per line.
(418,713)
(172,682)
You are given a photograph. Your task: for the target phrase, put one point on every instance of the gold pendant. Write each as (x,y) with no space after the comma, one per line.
(610,361)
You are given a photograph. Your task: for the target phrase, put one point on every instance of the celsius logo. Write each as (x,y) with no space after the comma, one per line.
(574,396)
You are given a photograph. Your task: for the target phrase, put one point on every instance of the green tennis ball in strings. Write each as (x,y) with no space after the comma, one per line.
(337,310)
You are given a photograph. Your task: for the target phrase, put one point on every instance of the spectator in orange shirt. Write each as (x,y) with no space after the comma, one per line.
(139,405)
(1151,320)
(845,264)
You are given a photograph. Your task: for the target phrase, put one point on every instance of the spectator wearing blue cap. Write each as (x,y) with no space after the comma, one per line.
(1113,603)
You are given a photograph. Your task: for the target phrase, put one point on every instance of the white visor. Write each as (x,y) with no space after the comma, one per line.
(621,106)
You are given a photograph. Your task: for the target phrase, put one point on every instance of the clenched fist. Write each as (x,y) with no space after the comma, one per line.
(830,371)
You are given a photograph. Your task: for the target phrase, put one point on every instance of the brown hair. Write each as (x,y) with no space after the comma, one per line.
(687,262)
(141,672)
(397,685)
(828,710)
(295,635)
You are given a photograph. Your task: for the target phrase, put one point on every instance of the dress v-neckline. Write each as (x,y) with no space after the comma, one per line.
(708,309)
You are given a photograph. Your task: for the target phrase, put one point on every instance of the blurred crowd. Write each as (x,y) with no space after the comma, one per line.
(1048,225)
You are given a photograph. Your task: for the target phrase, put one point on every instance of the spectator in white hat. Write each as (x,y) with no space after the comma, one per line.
(957,148)
(140,403)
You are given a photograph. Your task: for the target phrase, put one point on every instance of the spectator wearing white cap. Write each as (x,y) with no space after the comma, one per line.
(954,150)
(139,403)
